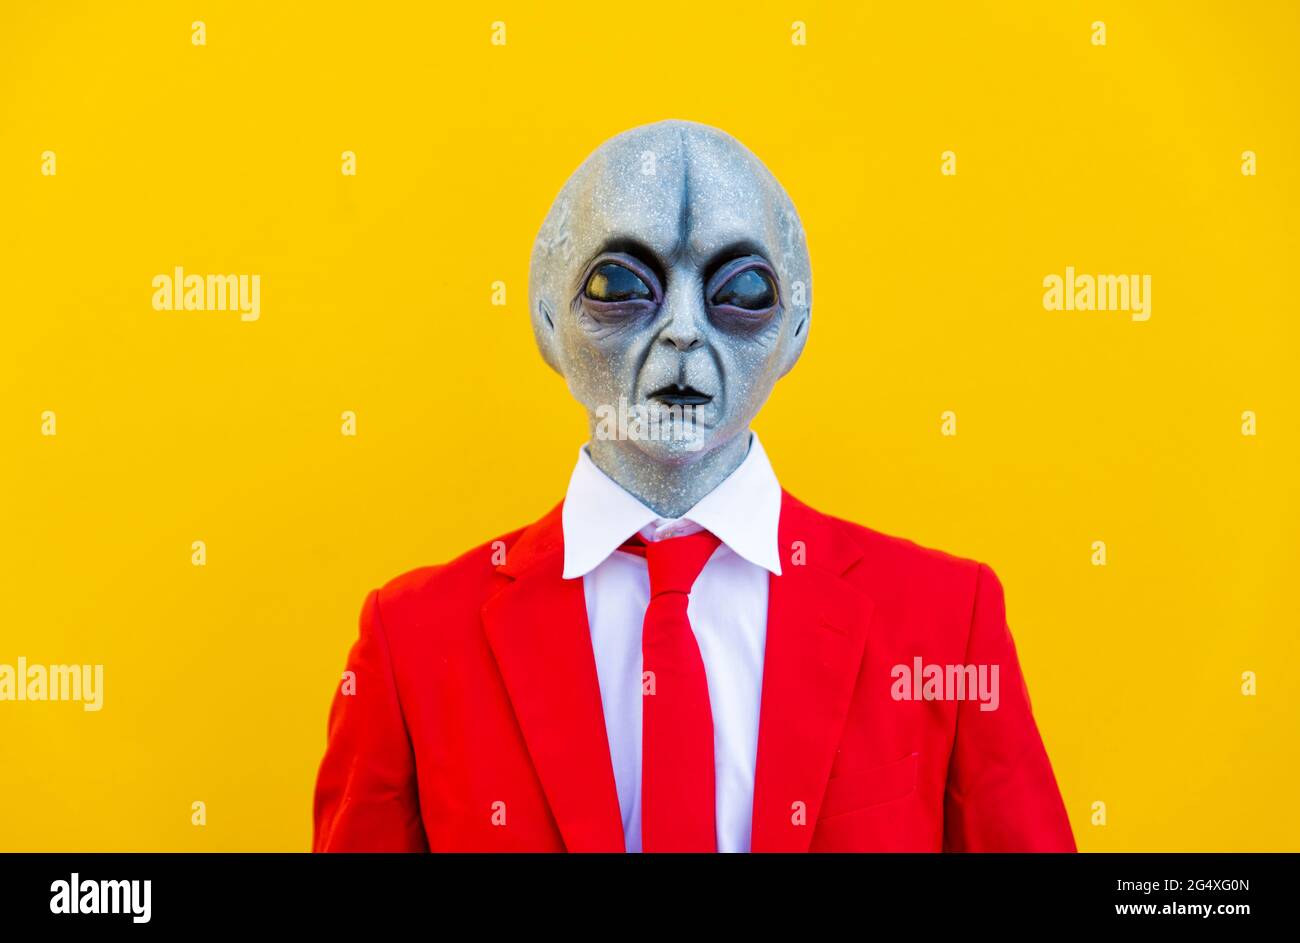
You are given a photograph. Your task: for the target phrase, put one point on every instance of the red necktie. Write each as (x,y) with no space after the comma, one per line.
(678,811)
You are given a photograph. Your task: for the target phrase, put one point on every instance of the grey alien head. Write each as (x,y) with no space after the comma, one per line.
(672,270)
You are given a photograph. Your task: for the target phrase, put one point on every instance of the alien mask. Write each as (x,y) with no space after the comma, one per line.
(670,283)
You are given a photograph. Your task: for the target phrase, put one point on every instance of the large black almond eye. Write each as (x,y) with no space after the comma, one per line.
(614,282)
(751,290)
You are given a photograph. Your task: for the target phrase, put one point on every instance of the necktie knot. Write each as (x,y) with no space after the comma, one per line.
(677,562)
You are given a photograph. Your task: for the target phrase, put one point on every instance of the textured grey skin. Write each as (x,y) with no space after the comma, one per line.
(688,193)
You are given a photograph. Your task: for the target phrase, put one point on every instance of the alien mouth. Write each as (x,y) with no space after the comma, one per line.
(674,395)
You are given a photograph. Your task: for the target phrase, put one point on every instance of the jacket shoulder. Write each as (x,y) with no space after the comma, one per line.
(441,596)
(891,567)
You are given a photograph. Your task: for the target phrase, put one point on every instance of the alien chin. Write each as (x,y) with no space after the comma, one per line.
(672,422)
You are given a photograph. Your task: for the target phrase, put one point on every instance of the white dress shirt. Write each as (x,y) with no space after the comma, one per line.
(727,609)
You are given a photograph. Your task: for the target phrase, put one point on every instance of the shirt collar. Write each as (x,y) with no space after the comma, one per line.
(743,512)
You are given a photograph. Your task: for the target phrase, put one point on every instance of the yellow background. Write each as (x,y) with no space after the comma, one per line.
(376,297)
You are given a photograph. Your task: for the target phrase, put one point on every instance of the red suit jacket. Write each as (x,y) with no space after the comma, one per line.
(475,723)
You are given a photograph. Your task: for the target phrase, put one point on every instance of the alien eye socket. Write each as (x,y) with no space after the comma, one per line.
(749,290)
(611,282)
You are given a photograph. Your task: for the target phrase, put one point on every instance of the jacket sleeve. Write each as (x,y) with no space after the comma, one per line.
(1001,794)
(366,793)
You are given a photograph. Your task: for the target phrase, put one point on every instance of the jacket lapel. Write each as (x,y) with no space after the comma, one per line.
(537,628)
(816,630)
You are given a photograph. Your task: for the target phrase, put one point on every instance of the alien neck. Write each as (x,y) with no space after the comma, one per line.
(670,490)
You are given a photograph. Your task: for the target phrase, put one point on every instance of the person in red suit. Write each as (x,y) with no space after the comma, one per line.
(681,656)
